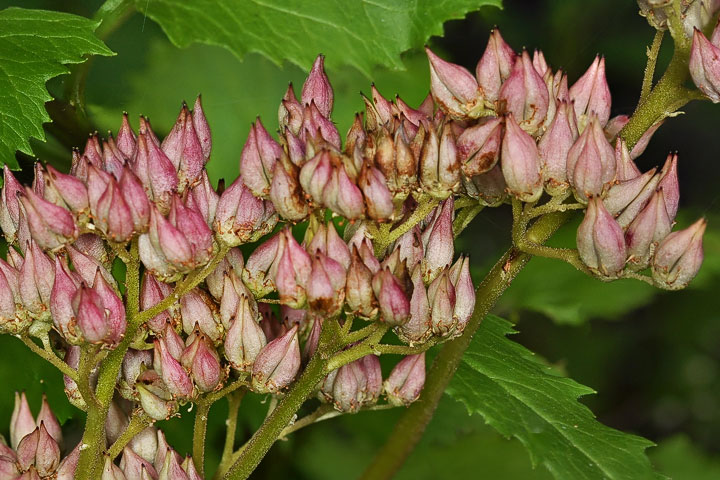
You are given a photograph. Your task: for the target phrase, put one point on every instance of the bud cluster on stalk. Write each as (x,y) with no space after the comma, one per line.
(515,129)
(38,451)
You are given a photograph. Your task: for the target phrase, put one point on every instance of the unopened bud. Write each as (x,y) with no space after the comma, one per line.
(678,258)
(406,380)
(520,162)
(277,363)
(601,241)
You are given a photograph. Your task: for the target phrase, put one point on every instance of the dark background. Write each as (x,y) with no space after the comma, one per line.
(654,357)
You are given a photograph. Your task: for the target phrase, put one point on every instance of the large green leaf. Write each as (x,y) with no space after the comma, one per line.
(34,47)
(522,397)
(358,33)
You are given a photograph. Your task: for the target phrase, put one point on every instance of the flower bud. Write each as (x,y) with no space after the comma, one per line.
(8,296)
(441,298)
(22,422)
(245,339)
(293,272)
(439,164)
(256,274)
(525,95)
(327,241)
(600,240)
(171,468)
(112,215)
(358,290)
(488,188)
(478,147)
(406,380)
(233,262)
(189,466)
(9,205)
(625,167)
(182,146)
(648,229)
(317,88)
(170,242)
(198,309)
(670,186)
(72,358)
(277,363)
(345,388)
(554,147)
(39,449)
(290,112)
(113,307)
(196,231)
(69,190)
(50,226)
(258,158)
(132,192)
(134,466)
(155,170)
(464,293)
(203,362)
(679,257)
(145,444)
(326,285)
(377,196)
(590,94)
(134,363)
(494,66)
(204,199)
(35,281)
(520,163)
(453,87)
(418,327)
(343,196)
(392,300)
(115,423)
(241,217)
(285,193)
(705,66)
(591,162)
(50,421)
(173,374)
(626,199)
(152,292)
(438,241)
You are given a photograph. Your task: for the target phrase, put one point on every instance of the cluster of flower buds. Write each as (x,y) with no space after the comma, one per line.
(37,450)
(523,132)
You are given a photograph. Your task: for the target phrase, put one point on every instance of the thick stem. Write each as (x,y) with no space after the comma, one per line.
(199,431)
(410,427)
(282,415)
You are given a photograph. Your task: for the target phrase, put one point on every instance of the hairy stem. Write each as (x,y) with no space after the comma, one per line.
(652,54)
(410,427)
(199,431)
(50,357)
(256,448)
(234,400)
(139,421)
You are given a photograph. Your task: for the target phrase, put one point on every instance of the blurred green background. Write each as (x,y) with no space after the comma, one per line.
(654,357)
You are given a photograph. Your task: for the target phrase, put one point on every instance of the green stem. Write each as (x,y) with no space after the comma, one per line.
(282,415)
(199,431)
(423,209)
(410,427)
(51,357)
(234,400)
(138,422)
(652,54)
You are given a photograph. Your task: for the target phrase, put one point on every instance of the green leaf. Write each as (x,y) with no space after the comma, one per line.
(522,397)
(34,47)
(358,33)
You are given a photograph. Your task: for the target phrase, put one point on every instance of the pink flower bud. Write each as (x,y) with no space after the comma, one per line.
(600,240)
(392,299)
(327,241)
(377,196)
(648,229)
(182,146)
(50,226)
(326,285)
(453,87)
(134,363)
(319,129)
(115,423)
(317,88)
(22,422)
(438,241)
(202,128)
(525,95)
(678,258)
(64,288)
(258,158)
(72,358)
(590,94)
(232,264)
(417,328)
(554,147)
(198,309)
(705,66)
(256,274)
(133,194)
(9,205)
(113,306)
(8,294)
(670,186)
(406,380)
(134,466)
(520,162)
(173,374)
(39,449)
(113,160)
(591,162)
(625,167)
(66,469)
(441,297)
(464,293)
(478,147)
(277,363)
(290,112)
(245,339)
(439,164)
(35,280)
(494,66)
(343,196)
(70,190)
(358,292)
(204,199)
(125,139)
(315,175)
(189,467)
(170,242)
(155,170)
(112,215)
(152,292)
(626,199)
(171,468)
(488,188)
(93,150)
(293,272)
(285,193)
(203,362)
(241,217)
